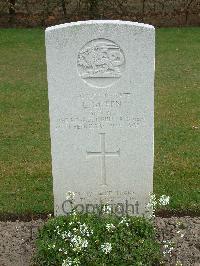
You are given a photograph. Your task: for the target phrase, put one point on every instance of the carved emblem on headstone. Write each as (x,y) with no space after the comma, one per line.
(99,59)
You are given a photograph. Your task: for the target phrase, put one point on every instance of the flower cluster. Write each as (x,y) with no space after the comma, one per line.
(84,230)
(106,248)
(70,262)
(78,243)
(110,227)
(124,221)
(164,200)
(154,203)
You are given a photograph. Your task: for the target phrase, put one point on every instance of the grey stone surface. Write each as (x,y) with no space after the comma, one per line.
(101,90)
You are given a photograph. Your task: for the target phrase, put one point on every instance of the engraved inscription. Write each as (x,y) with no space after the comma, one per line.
(73,122)
(100,62)
(105,196)
(102,154)
(102,111)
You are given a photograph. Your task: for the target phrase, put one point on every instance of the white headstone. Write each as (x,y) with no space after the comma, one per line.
(101,91)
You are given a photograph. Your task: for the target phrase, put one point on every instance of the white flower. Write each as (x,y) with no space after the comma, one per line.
(70,262)
(107,209)
(110,227)
(124,221)
(57,230)
(151,205)
(73,213)
(64,235)
(78,243)
(152,202)
(106,248)
(69,234)
(152,214)
(84,243)
(51,246)
(84,230)
(164,200)
(70,195)
(49,215)
(67,262)
(76,262)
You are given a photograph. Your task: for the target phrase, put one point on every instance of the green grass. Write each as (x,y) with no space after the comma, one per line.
(25,162)
(177,116)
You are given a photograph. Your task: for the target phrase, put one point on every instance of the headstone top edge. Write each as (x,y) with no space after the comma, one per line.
(99,22)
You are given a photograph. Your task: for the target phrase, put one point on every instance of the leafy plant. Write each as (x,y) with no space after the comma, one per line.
(88,239)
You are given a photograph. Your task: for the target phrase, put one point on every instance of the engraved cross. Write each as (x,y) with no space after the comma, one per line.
(102,154)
